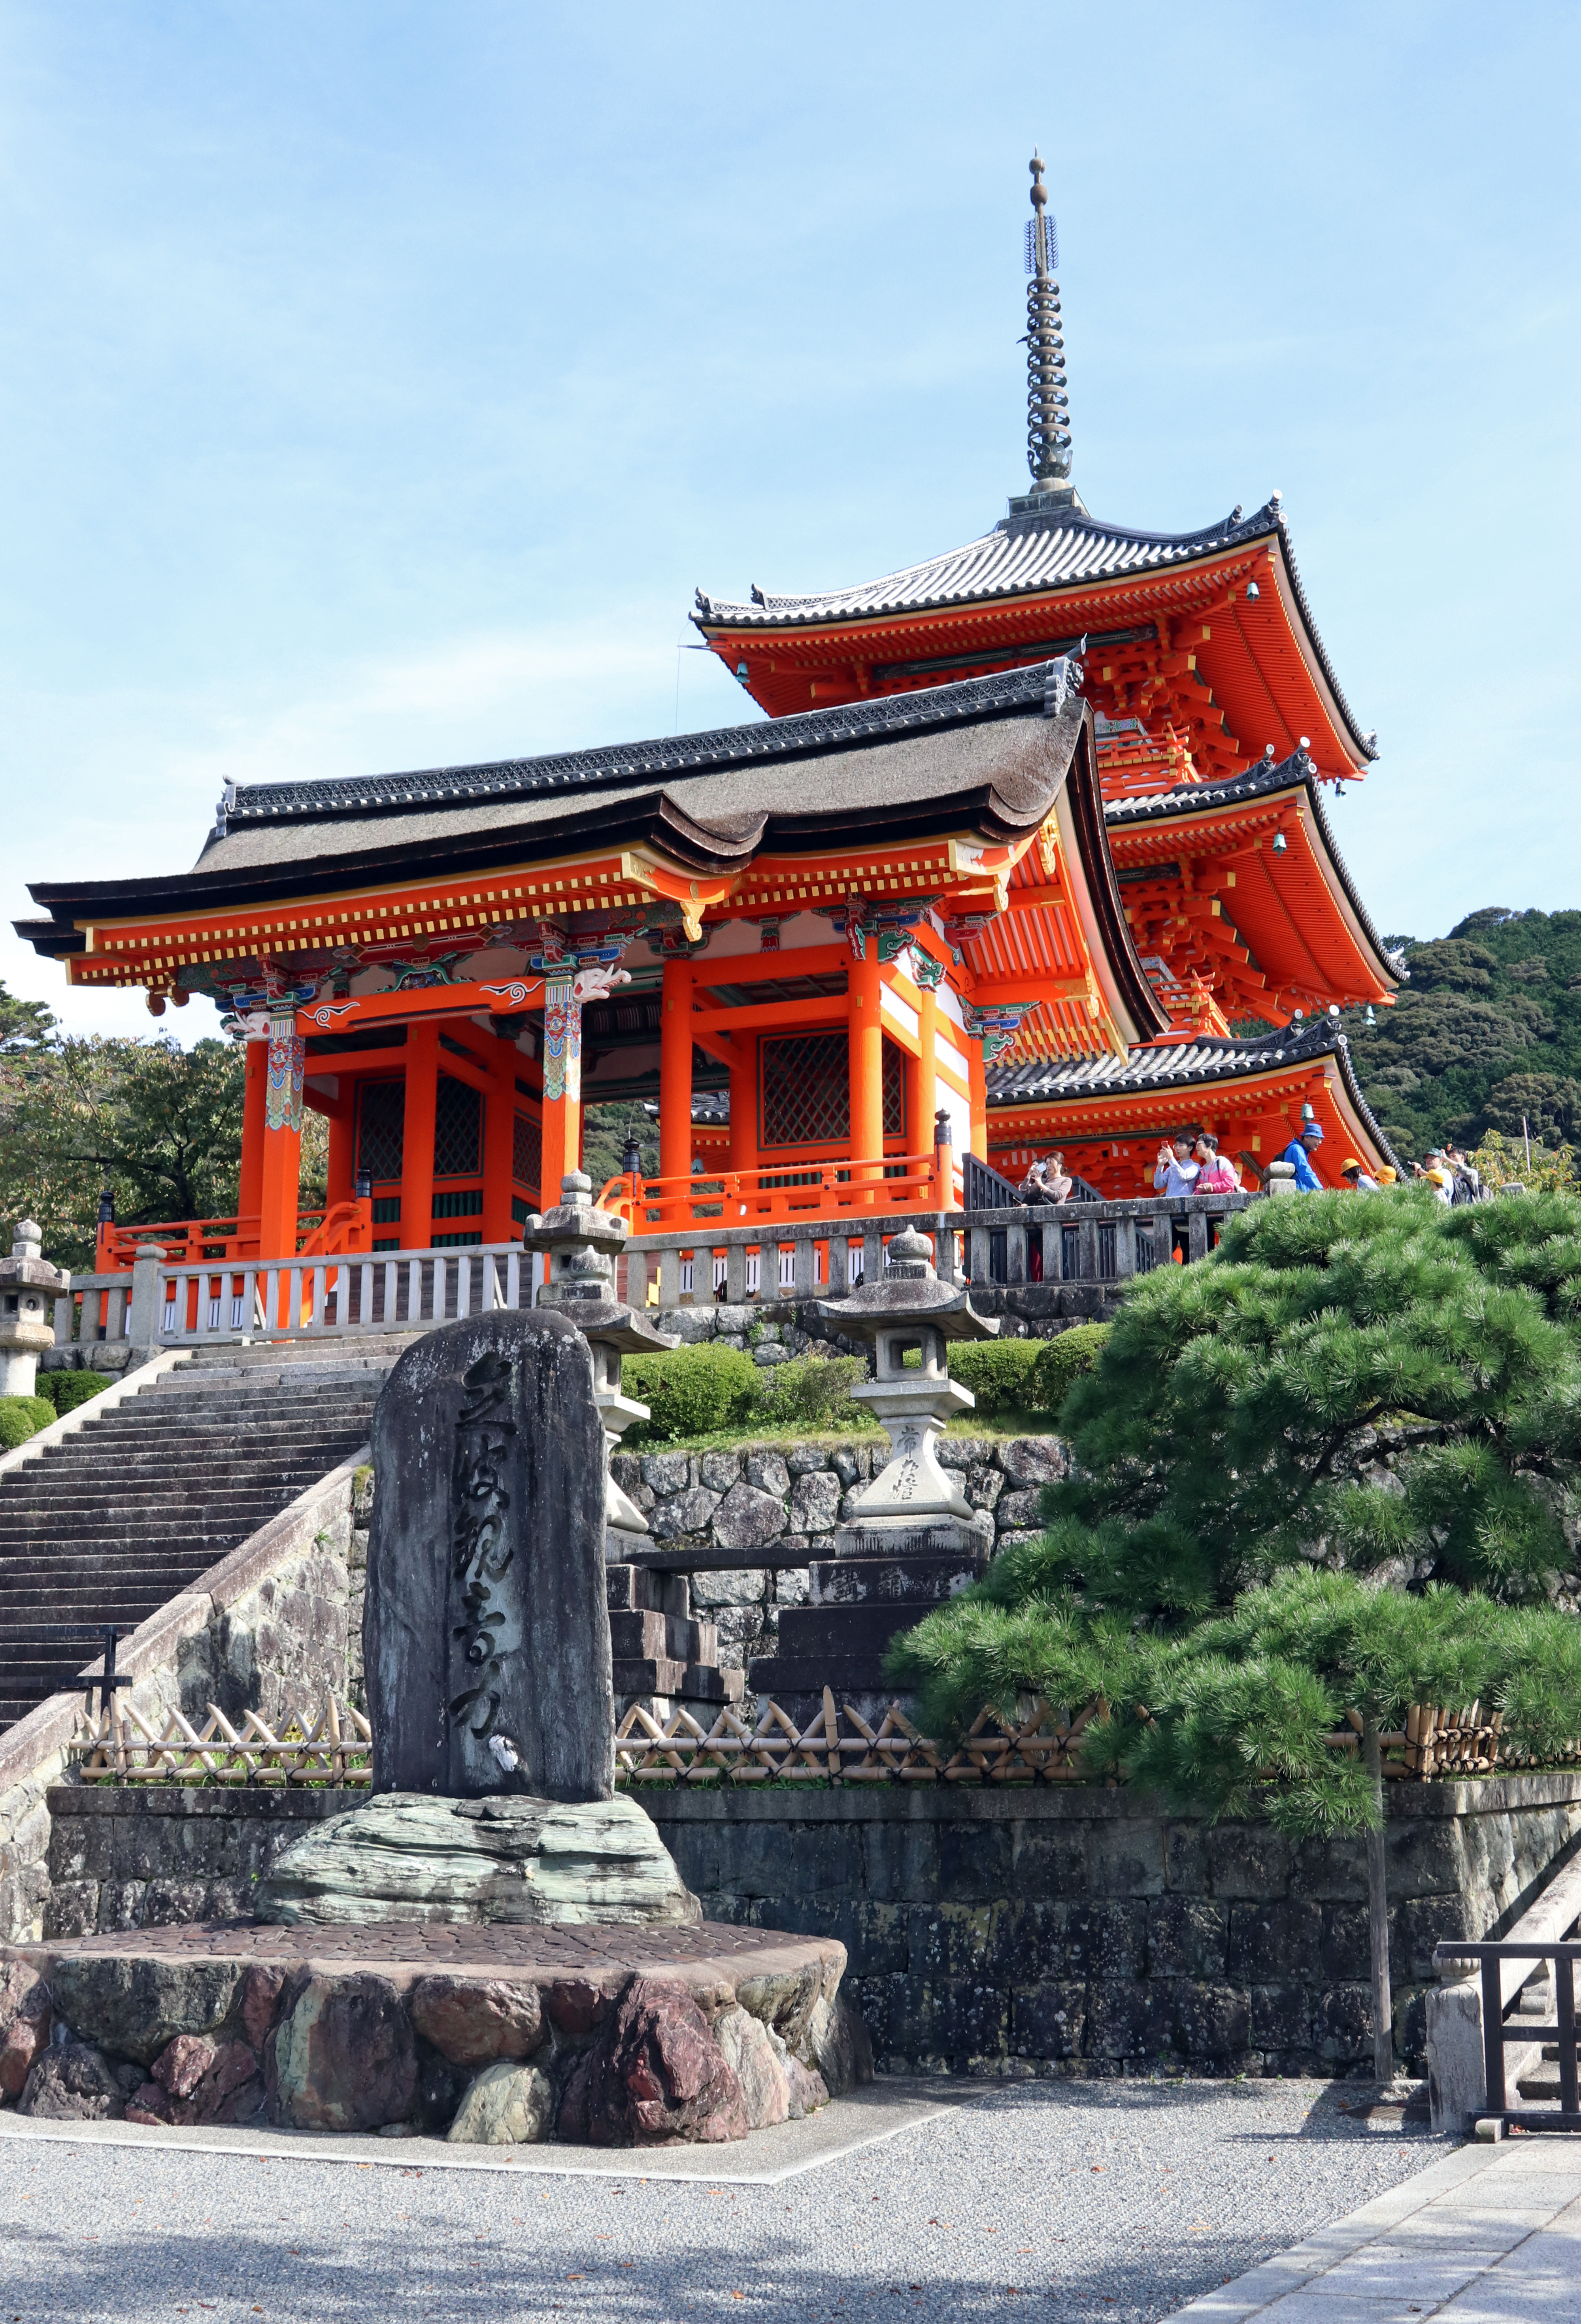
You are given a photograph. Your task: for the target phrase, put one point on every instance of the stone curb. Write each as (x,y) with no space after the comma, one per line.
(1258,2291)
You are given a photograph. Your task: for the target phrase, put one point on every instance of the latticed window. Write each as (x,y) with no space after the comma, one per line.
(527,1151)
(458,1130)
(894,1090)
(806,1091)
(380,1121)
(806,1084)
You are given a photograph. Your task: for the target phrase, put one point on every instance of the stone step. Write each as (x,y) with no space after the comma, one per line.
(810,1633)
(301,1427)
(671,1636)
(661,1674)
(187,1492)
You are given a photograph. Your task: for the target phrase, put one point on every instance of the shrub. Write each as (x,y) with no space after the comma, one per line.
(66,1391)
(814,1392)
(999,1372)
(21,1416)
(690,1391)
(1064,1359)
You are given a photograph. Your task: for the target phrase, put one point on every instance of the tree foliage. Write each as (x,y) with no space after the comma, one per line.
(159,1125)
(1485,1033)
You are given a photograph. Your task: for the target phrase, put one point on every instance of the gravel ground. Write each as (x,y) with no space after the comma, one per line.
(1075,2199)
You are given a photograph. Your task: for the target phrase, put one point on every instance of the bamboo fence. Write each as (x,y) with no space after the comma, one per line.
(334,1747)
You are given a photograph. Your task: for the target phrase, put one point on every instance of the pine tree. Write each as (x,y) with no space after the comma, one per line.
(1327,1470)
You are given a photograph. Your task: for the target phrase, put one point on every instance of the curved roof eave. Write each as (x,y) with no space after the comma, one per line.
(1295,773)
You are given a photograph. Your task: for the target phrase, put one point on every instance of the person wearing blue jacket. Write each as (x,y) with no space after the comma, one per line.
(1297,1153)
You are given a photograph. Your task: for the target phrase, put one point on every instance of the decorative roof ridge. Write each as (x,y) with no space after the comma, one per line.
(966,700)
(1198,1064)
(1230,531)
(1265,777)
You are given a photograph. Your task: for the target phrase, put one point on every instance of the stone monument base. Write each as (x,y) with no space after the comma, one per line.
(484,2035)
(407,1857)
(883,1577)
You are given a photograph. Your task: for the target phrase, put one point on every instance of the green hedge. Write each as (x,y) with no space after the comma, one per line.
(66,1390)
(21,1416)
(690,1391)
(813,1392)
(1063,1359)
(999,1372)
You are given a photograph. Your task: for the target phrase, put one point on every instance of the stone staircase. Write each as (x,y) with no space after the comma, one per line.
(112,1521)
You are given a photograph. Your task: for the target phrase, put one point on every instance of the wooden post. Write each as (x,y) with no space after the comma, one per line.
(977,1082)
(675,1073)
(283,1138)
(744,1145)
(339,1176)
(417,1136)
(864,1053)
(255,1084)
(499,1132)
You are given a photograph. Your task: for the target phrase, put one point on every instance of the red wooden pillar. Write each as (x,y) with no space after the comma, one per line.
(864,1051)
(562,1084)
(254,1085)
(417,1136)
(675,1073)
(283,1138)
(977,1082)
(744,1139)
(339,1178)
(499,1133)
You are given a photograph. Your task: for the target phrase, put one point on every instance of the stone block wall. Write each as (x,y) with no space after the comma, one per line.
(786,1500)
(271,1625)
(121,1856)
(1065,1929)
(1077,1930)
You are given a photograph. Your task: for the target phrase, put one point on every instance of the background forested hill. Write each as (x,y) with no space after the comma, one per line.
(1487,1029)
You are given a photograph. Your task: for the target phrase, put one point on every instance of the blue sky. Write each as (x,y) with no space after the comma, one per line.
(380,380)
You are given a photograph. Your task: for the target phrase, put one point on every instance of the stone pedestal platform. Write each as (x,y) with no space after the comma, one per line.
(663,1659)
(493,2035)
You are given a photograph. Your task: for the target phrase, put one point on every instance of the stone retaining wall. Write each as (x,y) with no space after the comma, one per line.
(1077,1930)
(786,1500)
(1060,1930)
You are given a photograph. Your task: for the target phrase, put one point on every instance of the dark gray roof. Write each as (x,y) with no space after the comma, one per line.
(618,763)
(1261,781)
(1045,550)
(1183,1065)
(1020,554)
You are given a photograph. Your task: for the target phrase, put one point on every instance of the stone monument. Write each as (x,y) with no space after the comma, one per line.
(487,1647)
(911,1539)
(28,1284)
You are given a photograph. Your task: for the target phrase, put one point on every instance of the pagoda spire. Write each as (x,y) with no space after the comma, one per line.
(1048,402)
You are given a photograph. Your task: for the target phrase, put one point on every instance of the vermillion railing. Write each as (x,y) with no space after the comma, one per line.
(806,1187)
(343,1228)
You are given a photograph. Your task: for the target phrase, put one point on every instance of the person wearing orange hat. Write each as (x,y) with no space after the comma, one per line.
(1357,1179)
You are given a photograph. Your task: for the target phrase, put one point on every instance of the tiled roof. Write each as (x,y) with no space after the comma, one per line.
(809,732)
(1259,782)
(1019,555)
(1025,554)
(1182,1065)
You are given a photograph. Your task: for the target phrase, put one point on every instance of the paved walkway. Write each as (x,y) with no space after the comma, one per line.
(1081,2202)
(1486,2234)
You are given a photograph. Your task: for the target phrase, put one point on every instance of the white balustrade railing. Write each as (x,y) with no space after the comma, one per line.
(310,1298)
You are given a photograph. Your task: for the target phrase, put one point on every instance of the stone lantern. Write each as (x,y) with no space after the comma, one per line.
(29,1286)
(583,1243)
(910,1538)
(909,1311)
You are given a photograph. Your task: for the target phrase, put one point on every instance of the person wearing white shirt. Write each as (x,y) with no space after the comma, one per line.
(1174,1171)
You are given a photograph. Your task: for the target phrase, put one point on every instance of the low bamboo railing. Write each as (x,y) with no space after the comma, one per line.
(334,1746)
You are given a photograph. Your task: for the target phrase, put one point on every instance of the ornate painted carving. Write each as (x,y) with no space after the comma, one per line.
(562,1040)
(927,972)
(995,1028)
